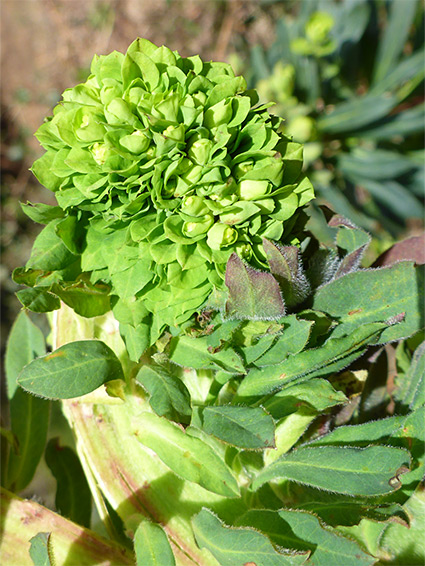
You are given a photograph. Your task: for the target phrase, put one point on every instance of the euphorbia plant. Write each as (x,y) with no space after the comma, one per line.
(216,363)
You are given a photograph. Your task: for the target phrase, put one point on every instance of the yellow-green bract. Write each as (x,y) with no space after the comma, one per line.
(164,166)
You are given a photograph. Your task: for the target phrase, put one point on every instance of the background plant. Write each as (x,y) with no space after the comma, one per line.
(348,77)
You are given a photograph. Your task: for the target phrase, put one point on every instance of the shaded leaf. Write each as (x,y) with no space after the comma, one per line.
(188,457)
(151,546)
(41,550)
(304,531)
(73,496)
(84,298)
(237,546)
(38,299)
(72,370)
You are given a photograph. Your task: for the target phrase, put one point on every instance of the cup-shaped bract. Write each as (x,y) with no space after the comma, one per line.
(169,165)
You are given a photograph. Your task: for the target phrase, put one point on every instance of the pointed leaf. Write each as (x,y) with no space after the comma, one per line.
(151,546)
(370,295)
(252,294)
(412,389)
(352,471)
(73,496)
(84,298)
(169,396)
(188,457)
(199,354)
(72,370)
(267,379)
(304,531)
(38,299)
(285,265)
(236,546)
(245,427)
(49,252)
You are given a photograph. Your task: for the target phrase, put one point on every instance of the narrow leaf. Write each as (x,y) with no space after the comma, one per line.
(72,370)
(151,546)
(267,379)
(252,294)
(304,531)
(236,546)
(352,471)
(188,457)
(73,496)
(245,427)
(412,389)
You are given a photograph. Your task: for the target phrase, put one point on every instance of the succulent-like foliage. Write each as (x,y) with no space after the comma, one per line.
(162,167)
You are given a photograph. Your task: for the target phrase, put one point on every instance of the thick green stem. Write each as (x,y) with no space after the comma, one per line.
(128,475)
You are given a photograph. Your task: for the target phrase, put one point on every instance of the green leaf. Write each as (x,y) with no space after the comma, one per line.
(188,457)
(29,419)
(267,379)
(304,531)
(29,416)
(136,338)
(42,213)
(244,427)
(151,546)
(25,342)
(169,396)
(40,551)
(236,546)
(38,299)
(49,252)
(292,340)
(73,496)
(72,370)
(315,395)
(366,296)
(252,294)
(379,164)
(350,513)
(353,471)
(411,391)
(394,37)
(197,353)
(84,298)
(356,113)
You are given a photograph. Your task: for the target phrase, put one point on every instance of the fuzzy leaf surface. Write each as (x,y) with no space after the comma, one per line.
(265,380)
(252,294)
(370,295)
(304,531)
(238,546)
(351,471)
(245,427)
(72,370)
(188,457)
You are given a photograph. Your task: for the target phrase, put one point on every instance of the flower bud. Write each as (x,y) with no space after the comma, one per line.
(194,206)
(252,190)
(221,235)
(192,228)
(137,142)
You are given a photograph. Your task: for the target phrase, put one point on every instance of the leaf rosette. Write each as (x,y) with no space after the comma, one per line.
(163,167)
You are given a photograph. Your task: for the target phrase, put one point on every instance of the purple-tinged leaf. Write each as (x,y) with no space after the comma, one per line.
(285,265)
(252,294)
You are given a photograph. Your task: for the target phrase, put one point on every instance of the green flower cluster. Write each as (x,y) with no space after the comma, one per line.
(168,165)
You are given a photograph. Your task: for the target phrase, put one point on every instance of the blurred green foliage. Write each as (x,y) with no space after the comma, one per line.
(347,76)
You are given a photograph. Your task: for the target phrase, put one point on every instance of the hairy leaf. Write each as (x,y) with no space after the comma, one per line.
(151,546)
